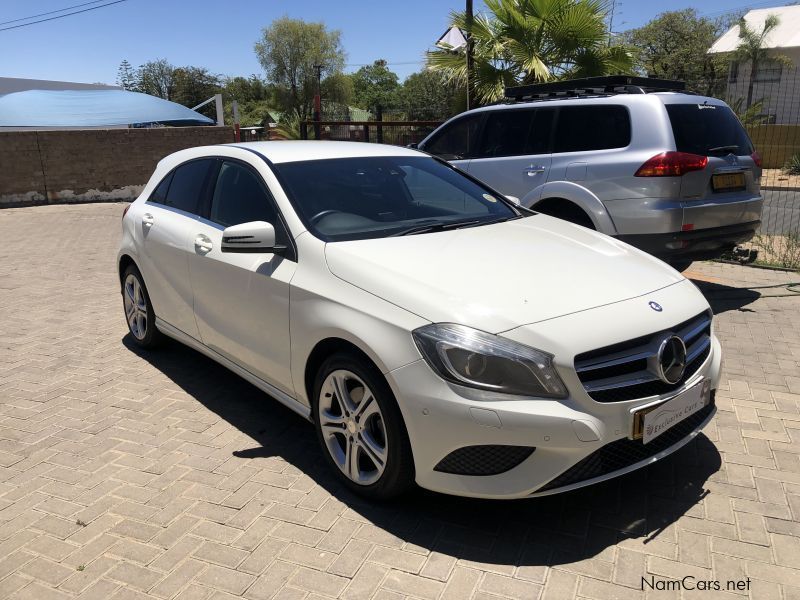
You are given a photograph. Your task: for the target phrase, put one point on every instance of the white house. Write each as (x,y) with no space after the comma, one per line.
(778,84)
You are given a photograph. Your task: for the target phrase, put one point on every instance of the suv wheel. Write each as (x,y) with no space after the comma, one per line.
(360,428)
(566,211)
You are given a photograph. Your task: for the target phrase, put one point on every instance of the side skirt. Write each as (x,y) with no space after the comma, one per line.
(176,334)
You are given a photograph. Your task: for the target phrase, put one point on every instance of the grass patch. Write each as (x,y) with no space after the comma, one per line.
(778,250)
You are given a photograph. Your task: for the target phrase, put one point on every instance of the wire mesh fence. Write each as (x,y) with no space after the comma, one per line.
(767,101)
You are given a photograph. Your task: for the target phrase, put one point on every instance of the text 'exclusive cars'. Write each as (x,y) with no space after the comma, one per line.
(432,330)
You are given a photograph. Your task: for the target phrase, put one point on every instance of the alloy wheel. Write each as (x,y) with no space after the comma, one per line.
(353,427)
(135,307)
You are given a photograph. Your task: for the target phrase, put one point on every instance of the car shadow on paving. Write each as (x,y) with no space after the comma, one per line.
(723,298)
(535,532)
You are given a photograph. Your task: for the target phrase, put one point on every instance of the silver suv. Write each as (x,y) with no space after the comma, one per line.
(670,172)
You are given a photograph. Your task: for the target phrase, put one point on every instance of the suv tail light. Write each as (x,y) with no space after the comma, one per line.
(756,158)
(672,164)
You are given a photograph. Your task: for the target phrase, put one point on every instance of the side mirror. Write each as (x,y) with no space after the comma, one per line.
(513,200)
(253,237)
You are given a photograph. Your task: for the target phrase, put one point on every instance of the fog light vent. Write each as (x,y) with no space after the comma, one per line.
(483,460)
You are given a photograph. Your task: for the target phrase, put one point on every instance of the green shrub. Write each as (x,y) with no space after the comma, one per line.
(792,166)
(779,250)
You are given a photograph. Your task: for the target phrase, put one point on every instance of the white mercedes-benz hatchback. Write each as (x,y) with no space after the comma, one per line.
(433,331)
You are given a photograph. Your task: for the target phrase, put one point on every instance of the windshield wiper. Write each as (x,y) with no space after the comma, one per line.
(729,148)
(431,227)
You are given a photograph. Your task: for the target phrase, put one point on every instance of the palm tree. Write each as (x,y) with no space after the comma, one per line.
(528,41)
(751,49)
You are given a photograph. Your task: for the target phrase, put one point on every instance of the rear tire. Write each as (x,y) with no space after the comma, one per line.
(361,429)
(566,211)
(139,313)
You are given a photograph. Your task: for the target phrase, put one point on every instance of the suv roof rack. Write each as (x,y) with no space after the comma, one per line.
(594,86)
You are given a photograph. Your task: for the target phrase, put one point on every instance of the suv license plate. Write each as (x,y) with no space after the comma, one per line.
(652,421)
(727,182)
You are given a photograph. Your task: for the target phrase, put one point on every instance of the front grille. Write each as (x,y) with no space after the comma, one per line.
(483,460)
(626,452)
(625,371)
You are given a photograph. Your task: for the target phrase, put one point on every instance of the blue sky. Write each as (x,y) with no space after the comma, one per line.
(219,34)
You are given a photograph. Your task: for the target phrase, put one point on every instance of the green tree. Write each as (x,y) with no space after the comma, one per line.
(256,99)
(337,95)
(375,85)
(675,45)
(751,49)
(289,51)
(157,78)
(193,85)
(126,76)
(428,95)
(528,41)
(247,89)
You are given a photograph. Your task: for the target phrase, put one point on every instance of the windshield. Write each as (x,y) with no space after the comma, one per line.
(371,197)
(708,130)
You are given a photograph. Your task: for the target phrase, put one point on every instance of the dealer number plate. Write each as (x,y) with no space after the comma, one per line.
(651,422)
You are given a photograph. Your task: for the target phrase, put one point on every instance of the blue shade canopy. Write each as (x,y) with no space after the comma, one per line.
(92,108)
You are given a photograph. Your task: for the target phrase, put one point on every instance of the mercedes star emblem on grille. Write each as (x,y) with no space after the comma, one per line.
(671,360)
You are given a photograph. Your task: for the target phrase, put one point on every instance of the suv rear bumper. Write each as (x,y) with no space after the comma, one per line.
(698,244)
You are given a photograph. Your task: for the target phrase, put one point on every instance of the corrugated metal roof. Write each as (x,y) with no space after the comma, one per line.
(92,108)
(785,35)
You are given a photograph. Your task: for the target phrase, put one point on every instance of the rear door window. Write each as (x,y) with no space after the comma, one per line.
(708,130)
(538,141)
(188,182)
(456,140)
(585,128)
(159,194)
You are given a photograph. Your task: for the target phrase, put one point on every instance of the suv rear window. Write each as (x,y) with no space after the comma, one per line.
(708,130)
(583,128)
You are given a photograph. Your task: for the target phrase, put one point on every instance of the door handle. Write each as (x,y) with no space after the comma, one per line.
(534,170)
(202,244)
(147,220)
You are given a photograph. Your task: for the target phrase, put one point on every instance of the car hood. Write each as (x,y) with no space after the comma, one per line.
(498,277)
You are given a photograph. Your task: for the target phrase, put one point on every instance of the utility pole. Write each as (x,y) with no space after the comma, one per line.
(318,101)
(611,20)
(469,51)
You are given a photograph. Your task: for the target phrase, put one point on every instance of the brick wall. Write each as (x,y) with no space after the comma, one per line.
(46,167)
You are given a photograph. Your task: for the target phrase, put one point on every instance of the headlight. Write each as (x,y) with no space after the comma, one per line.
(481,360)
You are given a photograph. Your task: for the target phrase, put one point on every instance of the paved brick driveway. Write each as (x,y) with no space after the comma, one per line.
(132,475)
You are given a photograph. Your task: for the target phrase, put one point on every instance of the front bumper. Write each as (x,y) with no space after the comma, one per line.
(442,418)
(697,244)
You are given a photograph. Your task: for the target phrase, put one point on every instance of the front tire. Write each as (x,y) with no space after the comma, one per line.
(361,429)
(139,313)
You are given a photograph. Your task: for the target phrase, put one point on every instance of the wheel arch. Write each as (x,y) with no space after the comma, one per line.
(578,196)
(125,260)
(325,348)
